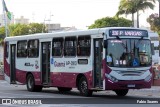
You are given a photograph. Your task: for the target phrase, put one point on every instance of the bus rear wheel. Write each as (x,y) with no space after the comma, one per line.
(61,89)
(83,87)
(31,84)
(121,92)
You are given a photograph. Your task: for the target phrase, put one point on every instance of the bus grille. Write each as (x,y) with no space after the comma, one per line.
(131,73)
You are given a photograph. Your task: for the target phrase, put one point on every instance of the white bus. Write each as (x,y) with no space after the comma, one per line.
(154,37)
(112,58)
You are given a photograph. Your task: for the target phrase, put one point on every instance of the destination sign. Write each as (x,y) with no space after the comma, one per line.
(128,32)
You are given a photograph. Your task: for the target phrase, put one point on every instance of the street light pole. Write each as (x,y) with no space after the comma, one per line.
(49,22)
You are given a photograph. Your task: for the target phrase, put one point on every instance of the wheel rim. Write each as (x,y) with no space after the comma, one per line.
(84,86)
(30,82)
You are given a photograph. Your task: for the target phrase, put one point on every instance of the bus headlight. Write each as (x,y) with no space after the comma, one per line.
(148,78)
(112,78)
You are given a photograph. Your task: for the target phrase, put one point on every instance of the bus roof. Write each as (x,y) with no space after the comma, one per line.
(65,33)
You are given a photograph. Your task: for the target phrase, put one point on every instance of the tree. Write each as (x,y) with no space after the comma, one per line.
(25,29)
(133,6)
(21,29)
(2,34)
(37,28)
(154,22)
(127,7)
(12,27)
(111,22)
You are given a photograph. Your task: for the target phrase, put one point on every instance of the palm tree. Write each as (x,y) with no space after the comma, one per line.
(143,5)
(133,6)
(127,7)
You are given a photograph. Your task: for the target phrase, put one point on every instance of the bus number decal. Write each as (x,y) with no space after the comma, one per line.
(71,62)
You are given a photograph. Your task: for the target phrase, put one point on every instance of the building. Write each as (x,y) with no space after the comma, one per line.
(57,28)
(53,27)
(22,20)
(2,21)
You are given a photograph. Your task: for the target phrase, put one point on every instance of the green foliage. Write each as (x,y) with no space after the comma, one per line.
(12,27)
(154,22)
(2,34)
(21,29)
(134,6)
(36,28)
(111,22)
(126,7)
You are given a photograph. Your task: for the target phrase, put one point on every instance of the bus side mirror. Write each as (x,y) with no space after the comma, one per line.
(105,43)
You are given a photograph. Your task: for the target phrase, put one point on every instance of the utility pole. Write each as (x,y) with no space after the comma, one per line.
(159,8)
(49,26)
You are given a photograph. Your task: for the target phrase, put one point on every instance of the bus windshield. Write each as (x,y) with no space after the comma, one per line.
(128,53)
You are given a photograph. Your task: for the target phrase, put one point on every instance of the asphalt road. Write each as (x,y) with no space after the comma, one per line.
(51,97)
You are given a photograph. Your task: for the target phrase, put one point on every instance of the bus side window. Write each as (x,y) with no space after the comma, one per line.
(33,49)
(84,46)
(22,48)
(57,47)
(70,46)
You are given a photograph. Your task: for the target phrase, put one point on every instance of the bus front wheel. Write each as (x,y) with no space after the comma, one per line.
(121,92)
(83,87)
(31,84)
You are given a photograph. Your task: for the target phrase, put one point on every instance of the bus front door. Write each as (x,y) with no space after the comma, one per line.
(97,75)
(13,64)
(45,74)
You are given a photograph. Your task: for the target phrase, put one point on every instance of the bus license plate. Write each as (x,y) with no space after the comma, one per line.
(131,85)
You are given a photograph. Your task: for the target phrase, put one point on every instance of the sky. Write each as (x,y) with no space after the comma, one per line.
(78,13)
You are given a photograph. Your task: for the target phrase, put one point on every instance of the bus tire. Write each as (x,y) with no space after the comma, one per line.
(83,87)
(31,84)
(122,92)
(61,89)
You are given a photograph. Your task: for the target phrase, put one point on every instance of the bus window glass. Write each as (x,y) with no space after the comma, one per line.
(6,49)
(84,45)
(70,46)
(33,50)
(129,53)
(22,49)
(57,47)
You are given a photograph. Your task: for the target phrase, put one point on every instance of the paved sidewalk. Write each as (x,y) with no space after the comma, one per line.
(153,88)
